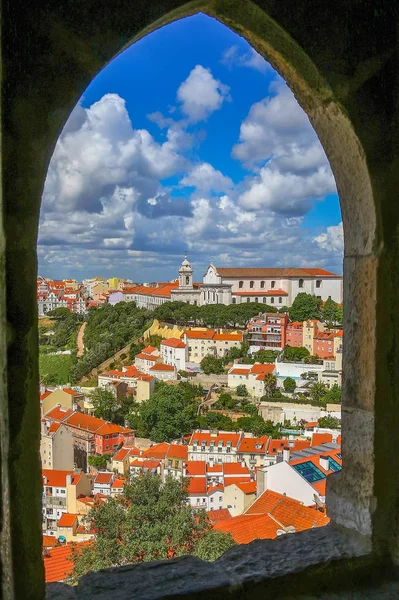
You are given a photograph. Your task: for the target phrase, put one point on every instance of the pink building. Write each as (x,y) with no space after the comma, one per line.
(295,334)
(267,332)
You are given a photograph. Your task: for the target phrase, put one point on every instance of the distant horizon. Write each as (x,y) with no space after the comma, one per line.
(184,146)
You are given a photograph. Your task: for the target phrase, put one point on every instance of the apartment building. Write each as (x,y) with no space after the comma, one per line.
(252,376)
(294,334)
(202,343)
(61,489)
(174,352)
(216,446)
(267,332)
(56,446)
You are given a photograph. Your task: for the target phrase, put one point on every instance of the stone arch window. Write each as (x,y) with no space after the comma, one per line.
(187,279)
(262,284)
(300,283)
(264,299)
(273,284)
(240,284)
(363,498)
(251,284)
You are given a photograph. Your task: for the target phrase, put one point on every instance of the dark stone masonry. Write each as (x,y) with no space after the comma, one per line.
(341,60)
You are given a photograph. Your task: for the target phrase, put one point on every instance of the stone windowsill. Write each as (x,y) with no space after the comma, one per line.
(303,560)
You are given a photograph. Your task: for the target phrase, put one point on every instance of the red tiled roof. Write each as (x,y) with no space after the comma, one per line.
(311,424)
(59,413)
(49,541)
(58,564)
(235,469)
(71,392)
(173,343)
(232,337)
(218,515)
(123,452)
(149,349)
(321,438)
(67,520)
(143,356)
(272,272)
(247,487)
(86,422)
(45,394)
(157,451)
(215,487)
(197,486)
(195,467)
(57,477)
(177,451)
(200,335)
(262,368)
(104,478)
(246,529)
(251,445)
(202,436)
(54,427)
(239,371)
(110,428)
(241,478)
(162,367)
(118,483)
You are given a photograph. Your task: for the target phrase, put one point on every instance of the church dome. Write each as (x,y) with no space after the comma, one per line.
(185,266)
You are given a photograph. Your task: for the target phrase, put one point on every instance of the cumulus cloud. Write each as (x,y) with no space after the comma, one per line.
(201,94)
(332,239)
(206,178)
(235,57)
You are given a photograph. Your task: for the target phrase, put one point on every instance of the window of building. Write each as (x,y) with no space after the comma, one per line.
(273,284)
(318,283)
(262,284)
(234,301)
(280,300)
(251,284)
(256,299)
(248,299)
(240,284)
(271,300)
(300,283)
(264,300)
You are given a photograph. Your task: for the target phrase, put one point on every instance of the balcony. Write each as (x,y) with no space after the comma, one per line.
(52,502)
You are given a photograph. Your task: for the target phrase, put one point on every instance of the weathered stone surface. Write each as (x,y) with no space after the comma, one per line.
(239,568)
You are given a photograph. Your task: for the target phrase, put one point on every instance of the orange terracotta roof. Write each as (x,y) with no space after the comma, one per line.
(104,478)
(177,451)
(321,438)
(71,392)
(57,477)
(197,486)
(49,541)
(246,529)
(45,394)
(218,515)
(311,424)
(253,445)
(239,371)
(262,368)
(200,335)
(118,483)
(54,427)
(59,413)
(158,451)
(67,520)
(123,452)
(276,272)
(216,468)
(143,377)
(162,367)
(149,349)
(233,337)
(58,563)
(86,422)
(235,469)
(173,343)
(143,356)
(195,467)
(202,436)
(320,486)
(110,428)
(247,487)
(241,478)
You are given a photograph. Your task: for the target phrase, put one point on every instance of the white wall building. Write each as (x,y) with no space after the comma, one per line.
(174,352)
(284,479)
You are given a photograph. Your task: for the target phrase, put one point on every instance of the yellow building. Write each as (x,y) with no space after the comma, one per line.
(145,387)
(115,283)
(122,459)
(238,497)
(56,446)
(66,398)
(309,330)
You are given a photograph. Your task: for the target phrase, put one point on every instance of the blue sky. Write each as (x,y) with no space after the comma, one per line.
(180,144)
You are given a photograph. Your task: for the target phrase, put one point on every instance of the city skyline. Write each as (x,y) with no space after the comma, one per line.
(212,157)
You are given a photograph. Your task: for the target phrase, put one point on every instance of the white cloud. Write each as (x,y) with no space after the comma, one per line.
(332,239)
(201,94)
(234,57)
(205,177)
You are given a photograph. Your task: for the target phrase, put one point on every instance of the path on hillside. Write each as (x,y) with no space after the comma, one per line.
(79,340)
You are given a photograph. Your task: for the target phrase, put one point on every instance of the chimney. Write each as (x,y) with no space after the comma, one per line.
(286,454)
(69,479)
(280,457)
(45,480)
(243,463)
(324,462)
(211,461)
(184,470)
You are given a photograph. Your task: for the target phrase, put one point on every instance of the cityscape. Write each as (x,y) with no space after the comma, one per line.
(223,395)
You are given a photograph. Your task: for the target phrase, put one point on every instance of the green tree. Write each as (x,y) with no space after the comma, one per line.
(105,404)
(331,312)
(214,420)
(242,390)
(210,364)
(167,415)
(270,384)
(59,313)
(266,356)
(333,395)
(295,354)
(151,522)
(317,393)
(289,384)
(340,313)
(99,462)
(304,307)
(213,544)
(329,422)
